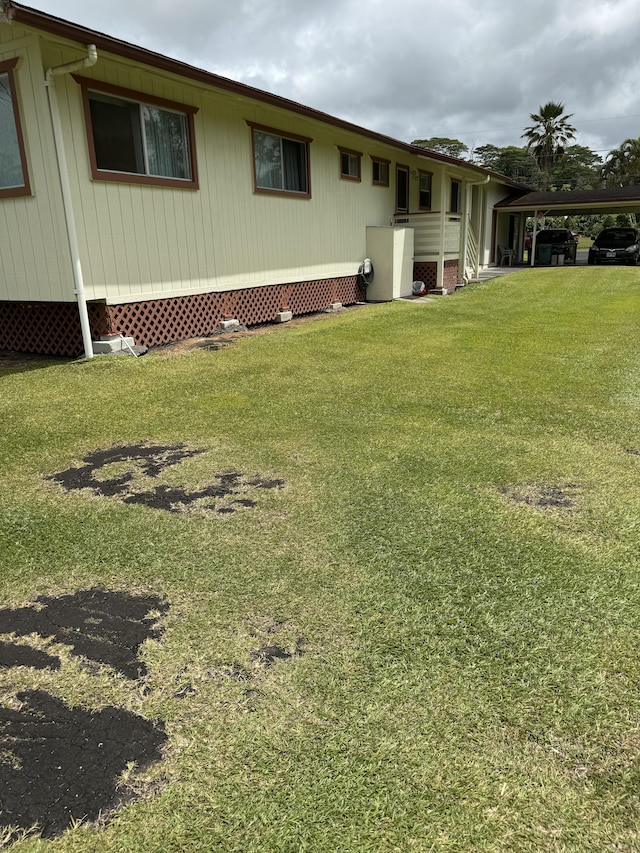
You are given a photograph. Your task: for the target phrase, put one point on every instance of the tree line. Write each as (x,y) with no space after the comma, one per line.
(548,160)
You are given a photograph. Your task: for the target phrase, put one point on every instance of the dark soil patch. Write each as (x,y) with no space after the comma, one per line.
(13,654)
(542,495)
(61,764)
(105,627)
(150,460)
(228,491)
(269,654)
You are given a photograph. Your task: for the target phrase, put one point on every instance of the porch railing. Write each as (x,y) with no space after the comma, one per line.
(471,261)
(426,240)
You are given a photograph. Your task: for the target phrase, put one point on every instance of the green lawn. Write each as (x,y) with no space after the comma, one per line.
(452,562)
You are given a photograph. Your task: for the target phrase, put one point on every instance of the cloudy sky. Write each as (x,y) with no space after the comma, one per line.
(469,69)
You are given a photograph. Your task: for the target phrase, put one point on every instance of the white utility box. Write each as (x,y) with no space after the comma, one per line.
(390,249)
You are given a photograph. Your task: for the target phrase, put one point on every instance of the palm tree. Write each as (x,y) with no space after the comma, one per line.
(622,168)
(548,135)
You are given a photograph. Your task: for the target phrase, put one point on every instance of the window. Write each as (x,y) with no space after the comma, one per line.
(424,202)
(280,163)
(350,164)
(402,189)
(380,169)
(138,139)
(456,193)
(14,180)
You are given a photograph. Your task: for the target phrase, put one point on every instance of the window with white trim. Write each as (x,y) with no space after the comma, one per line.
(281,163)
(14,179)
(350,164)
(424,202)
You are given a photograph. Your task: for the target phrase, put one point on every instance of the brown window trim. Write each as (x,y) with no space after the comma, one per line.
(284,134)
(387,163)
(7,67)
(422,172)
(358,154)
(87,84)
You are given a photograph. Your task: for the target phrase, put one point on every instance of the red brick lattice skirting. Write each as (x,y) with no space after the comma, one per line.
(53,328)
(48,328)
(427,271)
(450,275)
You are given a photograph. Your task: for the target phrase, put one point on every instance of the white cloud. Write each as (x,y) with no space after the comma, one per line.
(471,69)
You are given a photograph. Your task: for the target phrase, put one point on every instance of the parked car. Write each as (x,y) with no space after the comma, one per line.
(616,246)
(562,242)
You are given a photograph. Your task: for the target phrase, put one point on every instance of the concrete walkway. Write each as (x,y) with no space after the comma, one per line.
(495,271)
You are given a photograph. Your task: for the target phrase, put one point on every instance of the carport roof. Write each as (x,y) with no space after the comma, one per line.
(585,202)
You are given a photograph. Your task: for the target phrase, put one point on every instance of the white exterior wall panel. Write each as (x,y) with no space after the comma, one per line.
(140,242)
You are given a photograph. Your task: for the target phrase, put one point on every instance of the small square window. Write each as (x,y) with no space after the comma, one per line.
(350,164)
(380,170)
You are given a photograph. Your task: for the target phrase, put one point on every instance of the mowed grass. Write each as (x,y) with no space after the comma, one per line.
(468,676)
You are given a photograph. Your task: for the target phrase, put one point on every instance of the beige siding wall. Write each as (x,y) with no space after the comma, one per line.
(34,254)
(137,241)
(140,242)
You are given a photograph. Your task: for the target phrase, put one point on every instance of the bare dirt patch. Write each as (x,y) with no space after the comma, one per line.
(542,495)
(58,764)
(220,340)
(112,472)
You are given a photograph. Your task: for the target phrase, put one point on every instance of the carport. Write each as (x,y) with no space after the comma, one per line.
(510,215)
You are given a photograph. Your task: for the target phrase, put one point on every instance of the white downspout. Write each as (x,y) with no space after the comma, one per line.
(67,199)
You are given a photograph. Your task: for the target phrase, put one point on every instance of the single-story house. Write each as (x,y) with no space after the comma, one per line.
(143,197)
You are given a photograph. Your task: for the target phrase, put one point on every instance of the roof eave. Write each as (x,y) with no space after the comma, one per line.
(74,32)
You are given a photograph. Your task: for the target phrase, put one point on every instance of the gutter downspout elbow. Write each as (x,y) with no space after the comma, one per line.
(485,180)
(67,199)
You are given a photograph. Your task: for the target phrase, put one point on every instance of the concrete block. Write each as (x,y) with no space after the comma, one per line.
(111,343)
(229,325)
(284,316)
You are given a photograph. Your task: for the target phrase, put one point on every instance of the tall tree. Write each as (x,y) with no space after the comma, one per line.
(512,162)
(579,169)
(548,135)
(443,145)
(622,168)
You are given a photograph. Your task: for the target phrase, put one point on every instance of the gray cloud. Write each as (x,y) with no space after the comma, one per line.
(471,69)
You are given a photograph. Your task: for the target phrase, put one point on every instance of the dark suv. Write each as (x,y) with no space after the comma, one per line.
(561,241)
(615,246)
